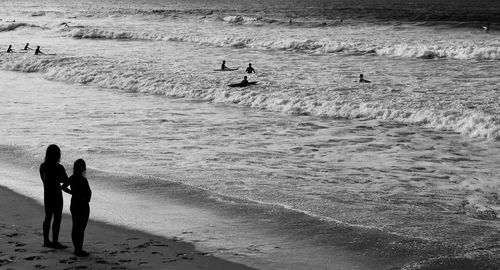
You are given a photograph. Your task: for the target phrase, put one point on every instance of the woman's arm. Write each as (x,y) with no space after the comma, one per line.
(65,181)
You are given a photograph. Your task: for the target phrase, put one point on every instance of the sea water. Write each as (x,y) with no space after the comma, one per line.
(308,168)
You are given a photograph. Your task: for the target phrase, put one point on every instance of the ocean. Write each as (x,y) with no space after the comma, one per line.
(307,169)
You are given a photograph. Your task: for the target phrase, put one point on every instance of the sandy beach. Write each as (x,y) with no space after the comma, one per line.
(110,247)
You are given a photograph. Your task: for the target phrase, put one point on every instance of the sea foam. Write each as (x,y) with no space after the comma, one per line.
(450,50)
(357,103)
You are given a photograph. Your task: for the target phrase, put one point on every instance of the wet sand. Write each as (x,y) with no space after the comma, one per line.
(110,247)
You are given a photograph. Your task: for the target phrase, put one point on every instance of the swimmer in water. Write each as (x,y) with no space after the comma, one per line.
(362,80)
(37,51)
(244,82)
(487,27)
(250,69)
(10,50)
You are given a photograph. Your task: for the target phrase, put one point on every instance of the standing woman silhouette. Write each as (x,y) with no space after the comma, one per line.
(52,174)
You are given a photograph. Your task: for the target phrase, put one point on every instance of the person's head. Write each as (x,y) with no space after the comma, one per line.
(223,61)
(53,154)
(79,167)
(10,46)
(27,44)
(250,65)
(38,47)
(245,77)
(361,75)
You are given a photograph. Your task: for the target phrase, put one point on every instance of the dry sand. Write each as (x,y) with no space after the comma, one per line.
(110,247)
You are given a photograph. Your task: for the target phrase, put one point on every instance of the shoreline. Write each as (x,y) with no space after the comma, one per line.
(110,246)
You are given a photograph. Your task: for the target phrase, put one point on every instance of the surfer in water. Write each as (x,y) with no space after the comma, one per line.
(487,27)
(362,80)
(37,51)
(250,69)
(10,50)
(223,66)
(27,47)
(244,82)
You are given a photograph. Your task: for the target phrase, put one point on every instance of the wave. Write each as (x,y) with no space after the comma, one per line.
(356,103)
(426,51)
(240,19)
(15,26)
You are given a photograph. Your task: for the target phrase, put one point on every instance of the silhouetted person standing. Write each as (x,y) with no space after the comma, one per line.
(250,69)
(37,51)
(52,174)
(80,208)
(9,50)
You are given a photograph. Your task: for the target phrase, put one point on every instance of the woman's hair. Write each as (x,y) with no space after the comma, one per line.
(79,167)
(53,154)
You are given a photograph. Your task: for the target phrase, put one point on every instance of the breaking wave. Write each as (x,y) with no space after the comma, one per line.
(357,103)
(426,51)
(14,26)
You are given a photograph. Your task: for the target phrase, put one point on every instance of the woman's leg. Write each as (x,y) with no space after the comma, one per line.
(49,211)
(56,225)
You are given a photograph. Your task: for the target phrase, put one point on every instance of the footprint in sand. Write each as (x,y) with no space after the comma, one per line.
(76,267)
(144,245)
(183,256)
(47,251)
(17,244)
(4,261)
(66,261)
(10,235)
(33,258)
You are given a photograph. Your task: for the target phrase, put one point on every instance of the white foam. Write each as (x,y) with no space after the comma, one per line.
(451,50)
(470,122)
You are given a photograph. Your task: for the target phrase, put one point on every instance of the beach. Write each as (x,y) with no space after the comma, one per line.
(305,168)
(110,247)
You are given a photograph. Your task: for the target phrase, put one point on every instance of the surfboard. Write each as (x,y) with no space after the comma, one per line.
(240,85)
(227,69)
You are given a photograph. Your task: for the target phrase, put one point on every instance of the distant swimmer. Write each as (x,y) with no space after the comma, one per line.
(37,51)
(250,69)
(10,50)
(27,47)
(362,80)
(223,66)
(244,82)
(487,27)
